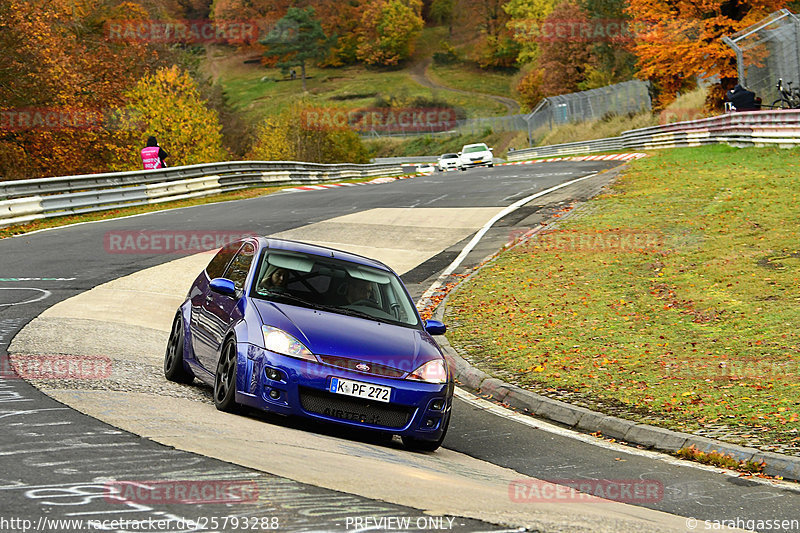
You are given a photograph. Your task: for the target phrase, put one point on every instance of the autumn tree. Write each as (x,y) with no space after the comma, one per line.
(59,65)
(565,53)
(441,12)
(677,42)
(526,18)
(297,39)
(388,31)
(167,104)
(483,23)
(292,136)
(340,21)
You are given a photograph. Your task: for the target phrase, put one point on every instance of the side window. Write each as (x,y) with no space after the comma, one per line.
(217,265)
(240,266)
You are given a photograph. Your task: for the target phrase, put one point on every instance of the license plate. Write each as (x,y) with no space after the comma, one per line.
(358,389)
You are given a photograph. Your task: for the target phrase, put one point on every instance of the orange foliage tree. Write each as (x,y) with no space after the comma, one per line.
(676,41)
(60,80)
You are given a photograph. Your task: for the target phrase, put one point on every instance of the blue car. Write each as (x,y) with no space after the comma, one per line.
(304,330)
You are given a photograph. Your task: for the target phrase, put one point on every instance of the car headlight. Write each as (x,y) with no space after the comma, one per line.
(278,341)
(431,372)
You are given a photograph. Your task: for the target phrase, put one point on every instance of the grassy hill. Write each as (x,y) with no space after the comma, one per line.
(256,92)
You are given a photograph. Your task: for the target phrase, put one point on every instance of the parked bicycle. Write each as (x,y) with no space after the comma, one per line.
(790,96)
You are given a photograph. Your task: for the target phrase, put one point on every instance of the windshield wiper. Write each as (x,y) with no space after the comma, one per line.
(292,297)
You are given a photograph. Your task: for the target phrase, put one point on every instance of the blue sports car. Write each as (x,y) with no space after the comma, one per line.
(305,330)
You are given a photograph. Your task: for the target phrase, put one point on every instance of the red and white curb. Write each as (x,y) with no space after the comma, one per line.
(376,181)
(606,157)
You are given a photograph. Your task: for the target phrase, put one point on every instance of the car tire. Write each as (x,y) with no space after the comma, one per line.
(421,445)
(491,165)
(225,379)
(462,169)
(174,369)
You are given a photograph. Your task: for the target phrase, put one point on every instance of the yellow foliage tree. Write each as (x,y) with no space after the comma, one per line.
(168,105)
(293,137)
(388,31)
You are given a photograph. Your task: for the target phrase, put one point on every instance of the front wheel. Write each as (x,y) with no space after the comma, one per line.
(781,104)
(420,445)
(173,358)
(225,379)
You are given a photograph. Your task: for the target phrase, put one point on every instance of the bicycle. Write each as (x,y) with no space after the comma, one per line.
(790,97)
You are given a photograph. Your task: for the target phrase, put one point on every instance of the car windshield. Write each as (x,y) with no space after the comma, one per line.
(476,148)
(450,156)
(333,285)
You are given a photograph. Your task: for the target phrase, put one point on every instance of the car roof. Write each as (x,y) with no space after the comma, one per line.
(322,251)
(476,144)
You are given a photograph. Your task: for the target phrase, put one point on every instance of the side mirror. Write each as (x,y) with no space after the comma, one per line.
(459,153)
(434,327)
(223,286)
(491,149)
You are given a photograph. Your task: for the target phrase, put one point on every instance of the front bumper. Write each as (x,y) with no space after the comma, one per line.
(479,163)
(415,409)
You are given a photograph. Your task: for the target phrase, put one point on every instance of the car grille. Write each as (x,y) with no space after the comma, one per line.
(354,409)
(373,368)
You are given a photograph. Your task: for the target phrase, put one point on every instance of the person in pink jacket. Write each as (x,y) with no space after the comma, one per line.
(153,155)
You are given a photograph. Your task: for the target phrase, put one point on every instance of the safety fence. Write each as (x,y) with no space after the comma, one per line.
(767,51)
(26,200)
(752,128)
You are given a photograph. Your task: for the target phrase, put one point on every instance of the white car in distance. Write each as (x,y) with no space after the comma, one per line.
(475,155)
(448,162)
(425,168)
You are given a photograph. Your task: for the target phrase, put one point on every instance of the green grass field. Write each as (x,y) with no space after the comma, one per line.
(471,78)
(672,299)
(256,91)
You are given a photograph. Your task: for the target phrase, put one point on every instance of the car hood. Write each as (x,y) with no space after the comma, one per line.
(333,337)
(475,155)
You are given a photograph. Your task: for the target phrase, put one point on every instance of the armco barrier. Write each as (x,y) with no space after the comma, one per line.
(50,197)
(750,128)
(304,172)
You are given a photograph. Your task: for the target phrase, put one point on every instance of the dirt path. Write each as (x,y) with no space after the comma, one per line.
(419,73)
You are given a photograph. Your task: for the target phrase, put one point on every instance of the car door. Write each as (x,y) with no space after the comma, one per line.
(202,343)
(219,311)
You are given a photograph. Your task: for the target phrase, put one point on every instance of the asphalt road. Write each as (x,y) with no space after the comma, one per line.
(58,462)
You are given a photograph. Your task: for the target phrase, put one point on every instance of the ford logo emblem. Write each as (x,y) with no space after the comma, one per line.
(362,367)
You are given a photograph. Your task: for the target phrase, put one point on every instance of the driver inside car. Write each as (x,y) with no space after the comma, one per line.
(358,290)
(274,280)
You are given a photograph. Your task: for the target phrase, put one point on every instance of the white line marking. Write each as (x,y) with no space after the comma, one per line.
(510,209)
(45,294)
(37,279)
(536,423)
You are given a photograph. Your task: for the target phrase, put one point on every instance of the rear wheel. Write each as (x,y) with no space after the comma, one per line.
(225,379)
(173,358)
(420,445)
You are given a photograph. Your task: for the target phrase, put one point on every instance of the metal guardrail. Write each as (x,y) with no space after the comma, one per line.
(26,200)
(746,128)
(411,160)
(597,145)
